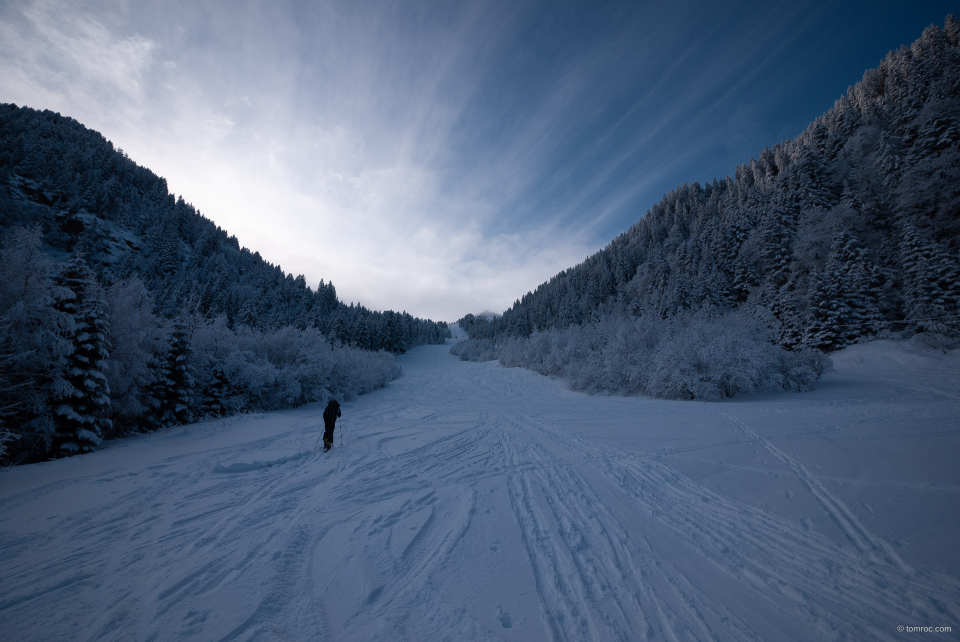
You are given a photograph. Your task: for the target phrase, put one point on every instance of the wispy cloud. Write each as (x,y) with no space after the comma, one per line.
(424,155)
(58,55)
(84,48)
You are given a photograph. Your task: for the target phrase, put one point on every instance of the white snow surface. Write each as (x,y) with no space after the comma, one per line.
(474,502)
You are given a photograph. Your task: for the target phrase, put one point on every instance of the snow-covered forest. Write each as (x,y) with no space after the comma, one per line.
(850,231)
(122,309)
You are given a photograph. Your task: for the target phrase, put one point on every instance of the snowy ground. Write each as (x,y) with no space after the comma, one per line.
(475,502)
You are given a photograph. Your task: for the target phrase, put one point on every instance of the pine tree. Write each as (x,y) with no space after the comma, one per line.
(164,250)
(248,316)
(789,332)
(80,395)
(304,313)
(215,394)
(170,397)
(829,310)
(338,329)
(860,286)
(745,279)
(931,279)
(843,301)
(947,268)
(777,234)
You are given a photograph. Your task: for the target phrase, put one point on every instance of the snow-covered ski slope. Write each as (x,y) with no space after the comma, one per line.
(472,502)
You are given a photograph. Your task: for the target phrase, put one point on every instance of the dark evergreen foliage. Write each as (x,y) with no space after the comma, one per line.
(170,398)
(80,396)
(216,394)
(851,229)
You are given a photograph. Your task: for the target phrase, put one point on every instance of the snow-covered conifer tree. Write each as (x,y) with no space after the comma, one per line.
(745,279)
(931,280)
(304,314)
(338,329)
(789,332)
(80,395)
(860,286)
(830,311)
(843,300)
(777,234)
(215,394)
(171,393)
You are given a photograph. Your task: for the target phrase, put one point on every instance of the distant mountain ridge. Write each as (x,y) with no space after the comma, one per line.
(850,230)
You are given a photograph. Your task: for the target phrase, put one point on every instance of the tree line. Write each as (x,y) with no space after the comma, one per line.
(123,309)
(848,232)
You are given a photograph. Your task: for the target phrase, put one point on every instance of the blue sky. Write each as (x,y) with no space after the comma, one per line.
(441,157)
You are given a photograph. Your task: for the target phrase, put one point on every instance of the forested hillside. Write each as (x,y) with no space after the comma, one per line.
(849,231)
(90,198)
(124,309)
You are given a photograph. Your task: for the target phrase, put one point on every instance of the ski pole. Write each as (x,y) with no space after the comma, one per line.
(340,421)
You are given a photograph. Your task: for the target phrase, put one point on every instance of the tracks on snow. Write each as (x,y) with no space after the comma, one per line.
(447,478)
(624,547)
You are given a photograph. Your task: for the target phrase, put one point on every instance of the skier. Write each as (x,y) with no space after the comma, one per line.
(329,423)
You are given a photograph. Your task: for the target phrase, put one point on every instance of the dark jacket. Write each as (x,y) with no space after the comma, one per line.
(330,416)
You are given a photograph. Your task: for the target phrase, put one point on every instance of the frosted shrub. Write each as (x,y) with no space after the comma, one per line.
(713,358)
(524,353)
(703,356)
(609,356)
(284,368)
(475,350)
(135,335)
(250,375)
(510,350)
(802,369)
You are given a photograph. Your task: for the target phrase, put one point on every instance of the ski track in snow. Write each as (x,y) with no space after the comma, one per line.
(463,506)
